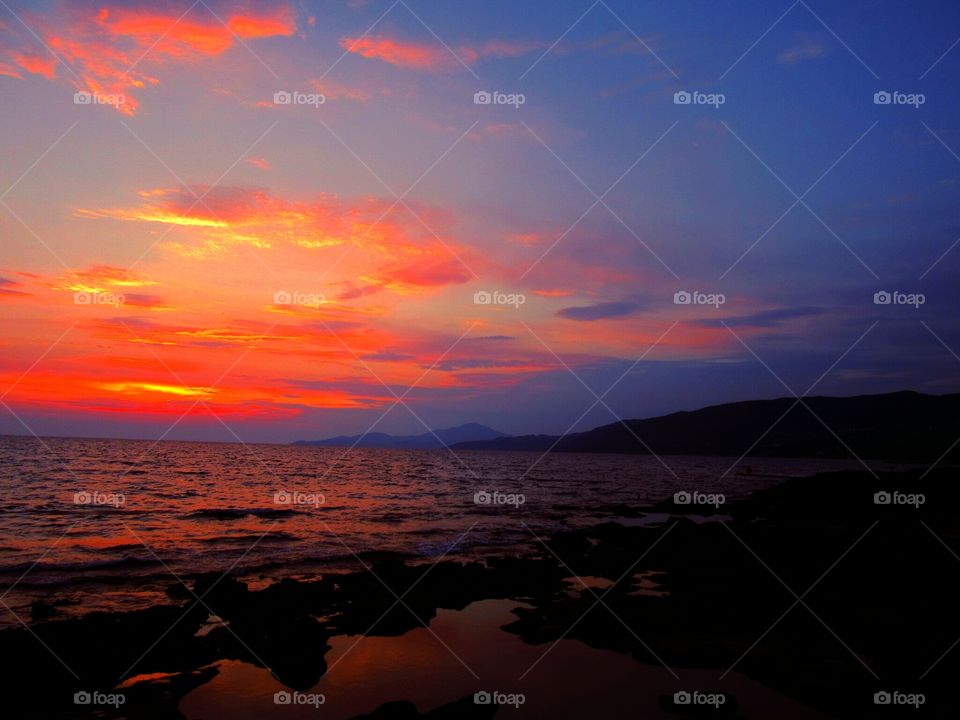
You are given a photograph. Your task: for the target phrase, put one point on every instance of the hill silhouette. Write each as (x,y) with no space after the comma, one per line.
(905,426)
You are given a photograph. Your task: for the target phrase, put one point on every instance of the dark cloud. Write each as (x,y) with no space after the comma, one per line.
(388,357)
(599,311)
(763,319)
(7,287)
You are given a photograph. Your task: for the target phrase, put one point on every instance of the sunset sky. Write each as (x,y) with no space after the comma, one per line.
(200,261)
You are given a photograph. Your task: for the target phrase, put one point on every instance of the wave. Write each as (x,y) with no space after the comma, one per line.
(239,513)
(277,536)
(80,567)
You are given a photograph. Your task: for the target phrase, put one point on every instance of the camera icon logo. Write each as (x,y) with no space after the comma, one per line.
(882,297)
(82,97)
(682,498)
(82,498)
(482,698)
(482,297)
(482,97)
(882,98)
(682,97)
(882,498)
(282,697)
(682,698)
(483,497)
(882,698)
(282,97)
(81,298)
(282,298)
(82,698)
(283,498)
(682,297)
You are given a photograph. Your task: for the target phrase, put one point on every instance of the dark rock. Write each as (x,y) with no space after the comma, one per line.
(463,709)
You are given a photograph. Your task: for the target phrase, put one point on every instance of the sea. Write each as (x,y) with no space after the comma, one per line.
(90,524)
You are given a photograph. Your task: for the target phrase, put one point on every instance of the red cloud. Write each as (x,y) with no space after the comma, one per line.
(36,64)
(435,269)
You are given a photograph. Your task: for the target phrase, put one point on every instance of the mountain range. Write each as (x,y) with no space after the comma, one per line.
(471,432)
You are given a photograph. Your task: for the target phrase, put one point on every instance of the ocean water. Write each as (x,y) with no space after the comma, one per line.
(109,524)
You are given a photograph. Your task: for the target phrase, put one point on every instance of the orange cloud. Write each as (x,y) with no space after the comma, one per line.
(115,276)
(398,253)
(171,34)
(180,390)
(99,278)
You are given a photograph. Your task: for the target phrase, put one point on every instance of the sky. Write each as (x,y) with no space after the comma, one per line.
(275,221)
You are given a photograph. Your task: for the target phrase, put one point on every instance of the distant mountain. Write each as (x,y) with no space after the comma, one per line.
(471,432)
(906,426)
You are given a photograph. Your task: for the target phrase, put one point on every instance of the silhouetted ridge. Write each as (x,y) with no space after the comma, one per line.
(897,426)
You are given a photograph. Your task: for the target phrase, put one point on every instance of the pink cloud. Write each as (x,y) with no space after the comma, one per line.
(430,56)
(259,162)
(110,49)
